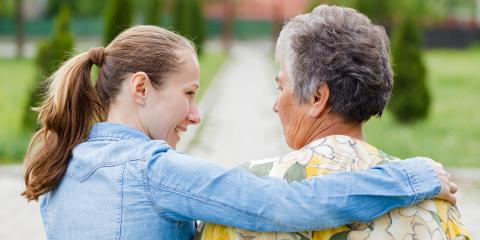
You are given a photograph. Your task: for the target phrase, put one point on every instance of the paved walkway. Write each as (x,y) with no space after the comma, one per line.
(239,125)
(19,220)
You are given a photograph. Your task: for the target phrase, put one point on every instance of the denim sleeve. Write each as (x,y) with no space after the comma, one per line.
(184,188)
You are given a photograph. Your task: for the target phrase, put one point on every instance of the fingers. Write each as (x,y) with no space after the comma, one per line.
(452,199)
(448,188)
(453,188)
(448,192)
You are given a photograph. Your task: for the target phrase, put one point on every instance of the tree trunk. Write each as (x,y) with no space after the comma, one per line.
(227,26)
(278,19)
(478,11)
(19,28)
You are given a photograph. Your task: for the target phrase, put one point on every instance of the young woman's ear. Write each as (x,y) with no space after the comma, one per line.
(139,83)
(319,101)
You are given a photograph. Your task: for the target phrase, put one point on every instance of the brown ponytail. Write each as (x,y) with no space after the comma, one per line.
(73,104)
(66,117)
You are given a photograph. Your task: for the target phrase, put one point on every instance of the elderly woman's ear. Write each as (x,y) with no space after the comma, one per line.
(319,101)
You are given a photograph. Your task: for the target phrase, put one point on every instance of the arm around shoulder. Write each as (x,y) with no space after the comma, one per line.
(187,188)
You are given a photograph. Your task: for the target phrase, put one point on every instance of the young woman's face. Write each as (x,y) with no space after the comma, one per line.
(171,108)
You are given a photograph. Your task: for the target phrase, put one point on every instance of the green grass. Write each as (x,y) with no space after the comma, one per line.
(451,134)
(16,77)
(15,80)
(210,63)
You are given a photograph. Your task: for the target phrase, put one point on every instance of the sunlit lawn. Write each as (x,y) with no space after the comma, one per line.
(451,134)
(16,78)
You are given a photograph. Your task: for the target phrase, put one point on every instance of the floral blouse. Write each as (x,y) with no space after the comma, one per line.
(430,219)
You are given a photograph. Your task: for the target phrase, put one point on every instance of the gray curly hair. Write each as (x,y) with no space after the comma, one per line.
(342,48)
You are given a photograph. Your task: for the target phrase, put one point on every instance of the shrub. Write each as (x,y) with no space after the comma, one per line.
(50,54)
(189,21)
(118,17)
(377,10)
(153,9)
(411,98)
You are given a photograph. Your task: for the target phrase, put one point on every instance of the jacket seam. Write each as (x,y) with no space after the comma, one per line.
(104,139)
(413,184)
(101,165)
(118,228)
(148,195)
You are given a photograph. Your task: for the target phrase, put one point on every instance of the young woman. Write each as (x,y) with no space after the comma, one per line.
(121,177)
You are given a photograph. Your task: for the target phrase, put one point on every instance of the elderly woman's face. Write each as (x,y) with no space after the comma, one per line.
(293,115)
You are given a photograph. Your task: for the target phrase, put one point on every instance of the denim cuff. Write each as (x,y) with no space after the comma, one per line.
(423,179)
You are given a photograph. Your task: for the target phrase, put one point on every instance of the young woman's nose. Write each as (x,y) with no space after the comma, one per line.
(193,116)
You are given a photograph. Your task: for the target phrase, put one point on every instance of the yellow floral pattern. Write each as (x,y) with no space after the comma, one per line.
(430,219)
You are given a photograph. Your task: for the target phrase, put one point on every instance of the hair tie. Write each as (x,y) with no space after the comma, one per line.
(96,55)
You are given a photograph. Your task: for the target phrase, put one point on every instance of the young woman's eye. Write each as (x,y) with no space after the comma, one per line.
(279,88)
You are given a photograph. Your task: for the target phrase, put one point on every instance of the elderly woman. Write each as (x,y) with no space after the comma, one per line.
(334,76)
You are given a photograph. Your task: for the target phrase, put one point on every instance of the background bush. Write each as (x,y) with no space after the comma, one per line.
(50,54)
(153,10)
(190,22)
(411,98)
(118,17)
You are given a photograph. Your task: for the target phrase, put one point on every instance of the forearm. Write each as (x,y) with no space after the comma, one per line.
(204,191)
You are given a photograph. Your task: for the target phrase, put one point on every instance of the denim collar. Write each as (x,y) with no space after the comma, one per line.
(114,131)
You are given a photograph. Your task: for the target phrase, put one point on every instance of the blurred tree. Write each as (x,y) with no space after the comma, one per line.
(411,8)
(411,98)
(118,17)
(200,27)
(182,18)
(84,8)
(54,6)
(19,27)
(314,3)
(7,9)
(153,10)
(89,8)
(51,53)
(189,21)
(379,11)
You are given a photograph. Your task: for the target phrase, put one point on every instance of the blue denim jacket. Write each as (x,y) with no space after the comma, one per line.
(122,185)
